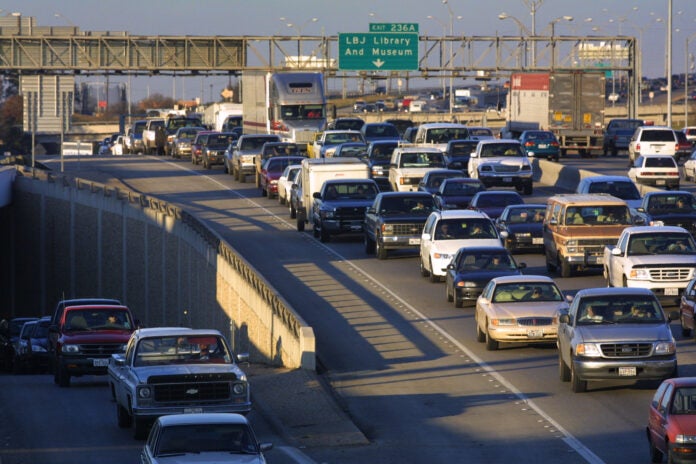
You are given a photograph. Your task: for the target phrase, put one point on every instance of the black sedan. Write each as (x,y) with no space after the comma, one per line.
(473,267)
(521,227)
(458,153)
(457,192)
(433,179)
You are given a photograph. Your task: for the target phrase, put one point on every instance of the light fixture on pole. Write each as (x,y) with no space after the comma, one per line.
(299,34)
(524,32)
(533,6)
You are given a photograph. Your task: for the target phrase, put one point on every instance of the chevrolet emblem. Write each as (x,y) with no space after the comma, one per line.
(192,391)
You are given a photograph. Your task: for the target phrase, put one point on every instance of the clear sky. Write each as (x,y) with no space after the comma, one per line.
(640,18)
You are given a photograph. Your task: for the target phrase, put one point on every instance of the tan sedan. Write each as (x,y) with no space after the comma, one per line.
(519,309)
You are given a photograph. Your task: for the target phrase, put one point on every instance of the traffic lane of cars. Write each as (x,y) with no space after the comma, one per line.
(526,369)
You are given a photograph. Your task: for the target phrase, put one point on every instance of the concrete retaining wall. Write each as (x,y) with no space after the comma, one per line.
(77,239)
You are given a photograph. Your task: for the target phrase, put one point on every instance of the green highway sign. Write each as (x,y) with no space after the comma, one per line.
(377,51)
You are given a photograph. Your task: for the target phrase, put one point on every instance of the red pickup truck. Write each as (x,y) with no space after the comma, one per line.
(87,337)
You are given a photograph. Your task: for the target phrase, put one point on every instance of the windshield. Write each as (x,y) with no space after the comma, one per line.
(626,190)
(444,135)
(594,215)
(419,205)
(486,260)
(661,244)
(498,150)
(461,188)
(422,160)
(352,190)
(199,349)
(684,401)
(86,320)
(202,438)
(524,214)
(299,112)
(633,309)
(528,291)
(671,203)
(458,229)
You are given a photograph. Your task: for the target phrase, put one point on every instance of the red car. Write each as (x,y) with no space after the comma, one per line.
(671,427)
(271,171)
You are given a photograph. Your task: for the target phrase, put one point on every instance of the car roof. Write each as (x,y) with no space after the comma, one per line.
(682,381)
(653,229)
(487,249)
(405,194)
(526,205)
(96,306)
(461,180)
(438,125)
(490,141)
(527,278)
(434,172)
(609,291)
(202,418)
(461,214)
(173,331)
(593,179)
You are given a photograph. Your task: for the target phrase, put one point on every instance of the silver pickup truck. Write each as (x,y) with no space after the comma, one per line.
(176,370)
(615,334)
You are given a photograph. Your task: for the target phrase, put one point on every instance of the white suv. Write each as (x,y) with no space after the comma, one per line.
(445,232)
(652,140)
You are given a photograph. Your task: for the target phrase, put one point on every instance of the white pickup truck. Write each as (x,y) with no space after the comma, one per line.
(409,164)
(660,258)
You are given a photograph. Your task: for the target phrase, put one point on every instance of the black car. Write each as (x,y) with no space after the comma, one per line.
(378,156)
(432,180)
(473,267)
(6,348)
(346,124)
(32,352)
(339,208)
(521,227)
(395,221)
(457,192)
(458,153)
(669,208)
(493,202)
(351,150)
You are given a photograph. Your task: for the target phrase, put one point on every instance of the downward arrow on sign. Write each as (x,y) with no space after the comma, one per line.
(378,63)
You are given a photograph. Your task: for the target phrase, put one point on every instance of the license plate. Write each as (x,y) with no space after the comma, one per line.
(543,145)
(537,240)
(193,410)
(535,333)
(101,362)
(627,371)
(414,241)
(355,227)
(507,179)
(672,291)
(660,182)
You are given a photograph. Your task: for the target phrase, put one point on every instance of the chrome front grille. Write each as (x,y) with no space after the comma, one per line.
(406,229)
(505,168)
(535,321)
(626,350)
(670,274)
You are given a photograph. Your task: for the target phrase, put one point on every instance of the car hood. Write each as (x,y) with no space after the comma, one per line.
(507,161)
(485,275)
(211,458)
(451,246)
(532,227)
(622,132)
(347,203)
(145,372)
(665,260)
(96,336)
(624,332)
(529,309)
(492,211)
(401,218)
(685,423)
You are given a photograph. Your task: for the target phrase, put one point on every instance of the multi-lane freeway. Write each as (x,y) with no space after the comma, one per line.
(404,362)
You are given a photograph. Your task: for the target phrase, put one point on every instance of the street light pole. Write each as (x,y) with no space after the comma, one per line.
(669,63)
(444,33)
(451,57)
(523,32)
(686,80)
(533,6)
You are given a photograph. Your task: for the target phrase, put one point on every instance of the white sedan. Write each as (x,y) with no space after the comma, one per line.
(519,309)
(202,438)
(285,182)
(659,171)
(690,168)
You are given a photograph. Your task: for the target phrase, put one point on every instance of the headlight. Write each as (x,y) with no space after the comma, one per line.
(685,439)
(525,167)
(441,255)
(71,348)
(466,284)
(274,182)
(590,350)
(641,274)
(239,388)
(121,348)
(388,228)
(486,168)
(501,322)
(38,348)
(144,393)
(327,213)
(664,348)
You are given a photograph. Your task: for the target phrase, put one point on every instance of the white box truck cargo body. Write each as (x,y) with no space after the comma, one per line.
(570,104)
(214,115)
(317,170)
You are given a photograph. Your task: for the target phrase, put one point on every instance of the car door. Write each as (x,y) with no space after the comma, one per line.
(552,221)
(427,238)
(659,411)
(686,306)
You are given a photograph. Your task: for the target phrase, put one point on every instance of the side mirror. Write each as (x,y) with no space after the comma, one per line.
(474,154)
(425,236)
(673,316)
(616,251)
(522,265)
(317,195)
(564,319)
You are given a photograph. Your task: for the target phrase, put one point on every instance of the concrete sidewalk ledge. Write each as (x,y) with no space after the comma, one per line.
(300,407)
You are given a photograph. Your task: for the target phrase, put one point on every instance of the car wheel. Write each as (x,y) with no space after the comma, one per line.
(300,225)
(564,267)
(686,331)
(491,345)
(324,235)
(123,418)
(281,200)
(315,230)
(528,189)
(433,277)
(578,386)
(264,192)
(380,251)
(458,302)
(369,244)
(63,377)
(563,370)
(423,271)
(242,177)
(293,211)
(606,277)
(655,454)
(141,429)
(480,336)
(449,296)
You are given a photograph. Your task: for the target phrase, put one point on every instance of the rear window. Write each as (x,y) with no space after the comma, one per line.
(652,135)
(661,162)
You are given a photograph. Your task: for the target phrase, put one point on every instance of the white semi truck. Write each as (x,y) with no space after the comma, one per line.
(290,104)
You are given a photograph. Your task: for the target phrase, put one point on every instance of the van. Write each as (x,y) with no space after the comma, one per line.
(315,171)
(575,232)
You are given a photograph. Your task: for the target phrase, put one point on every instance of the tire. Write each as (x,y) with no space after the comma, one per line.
(257,179)
(380,251)
(577,385)
(63,377)
(324,235)
(315,231)
(563,370)
(448,295)
(423,271)
(205,163)
(480,336)
(293,211)
(458,302)
(369,244)
(686,332)
(242,177)
(123,419)
(528,189)
(433,277)
(491,345)
(281,200)
(606,277)
(564,268)
(140,429)
(300,225)
(655,454)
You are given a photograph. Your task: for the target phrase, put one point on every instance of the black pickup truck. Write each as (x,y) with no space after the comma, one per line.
(618,134)
(395,221)
(339,207)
